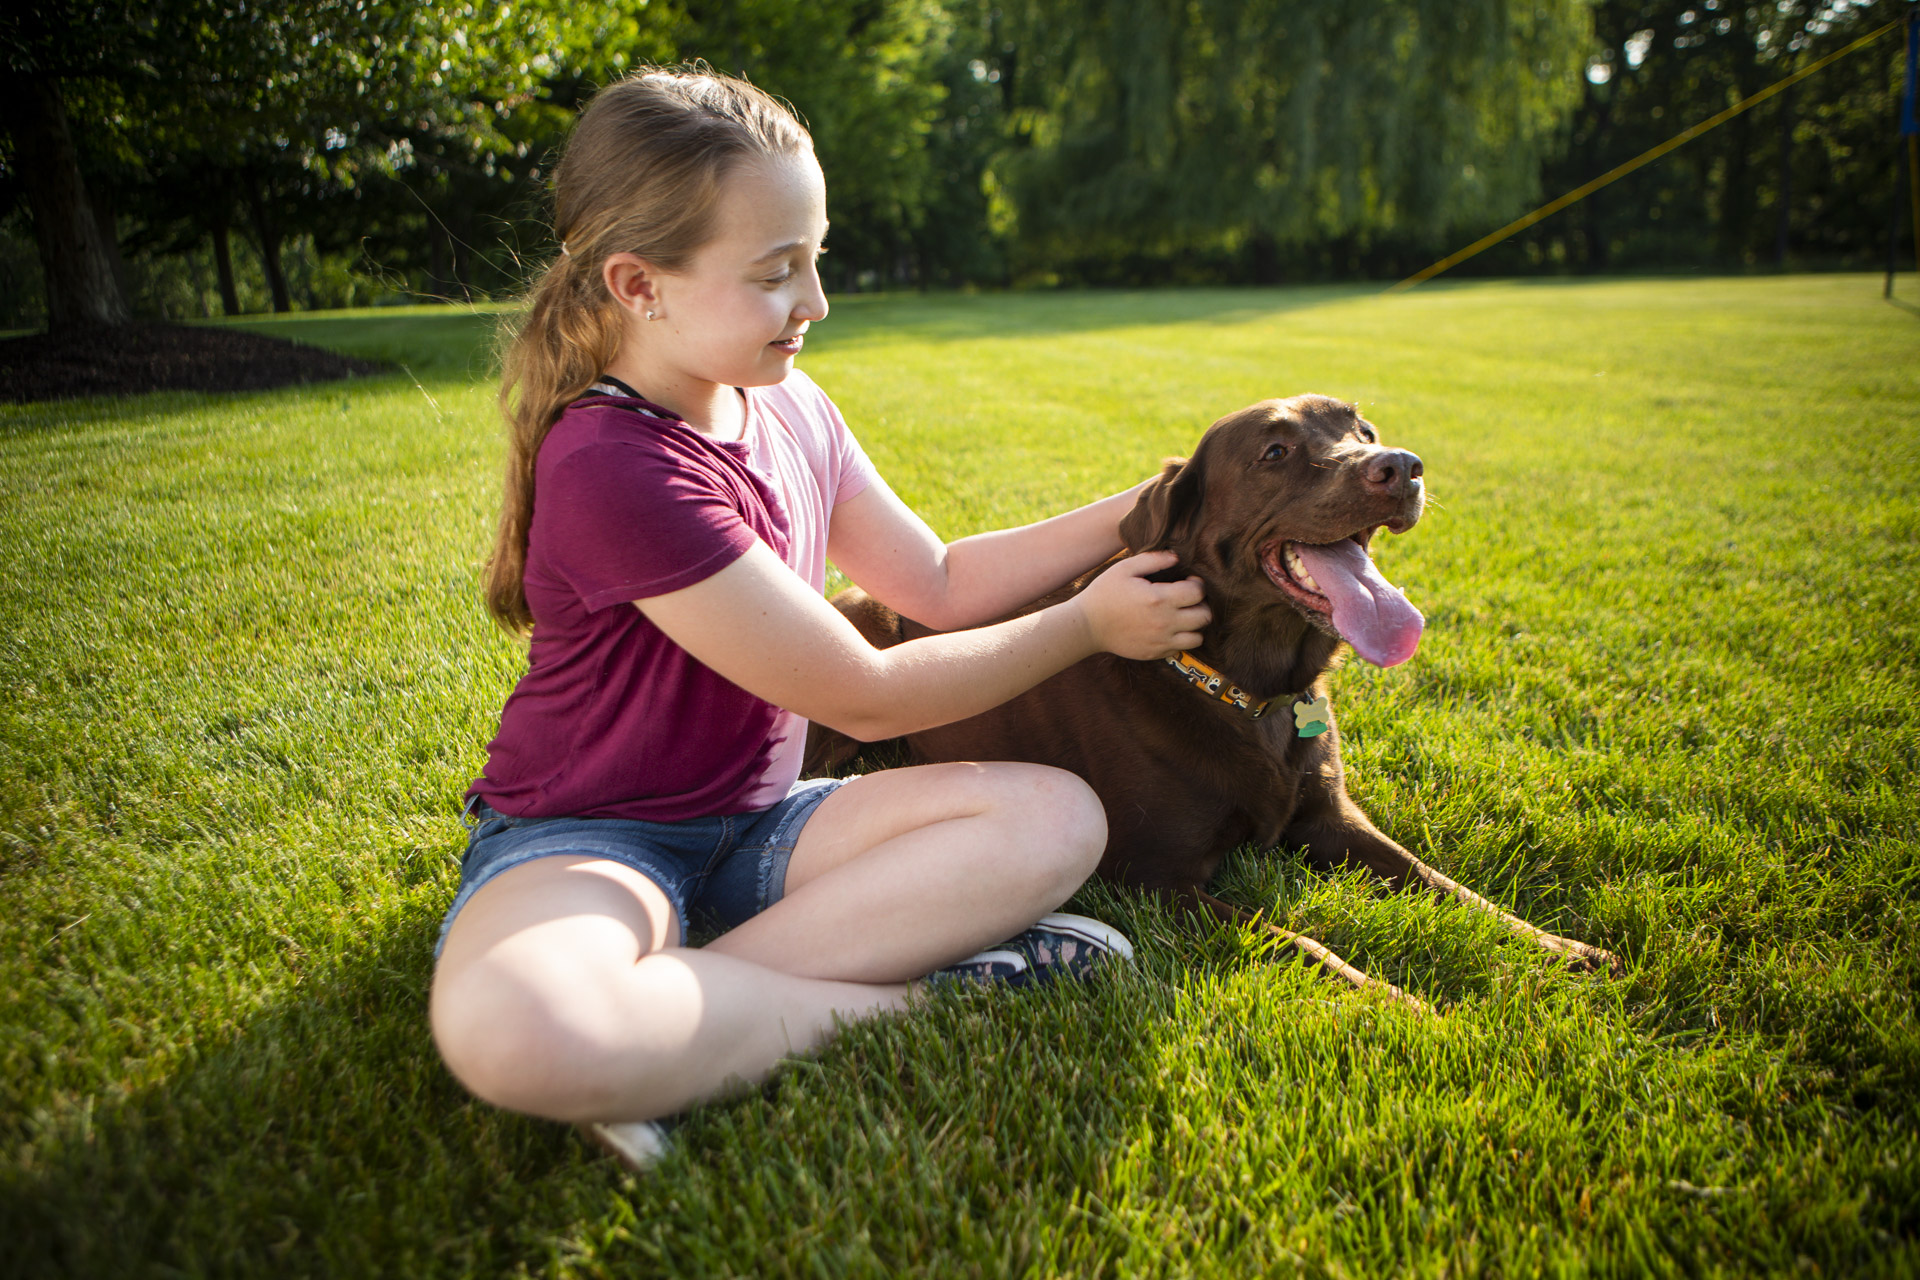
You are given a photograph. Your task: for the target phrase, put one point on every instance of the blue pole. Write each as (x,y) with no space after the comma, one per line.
(1909,126)
(1910,130)
(1910,154)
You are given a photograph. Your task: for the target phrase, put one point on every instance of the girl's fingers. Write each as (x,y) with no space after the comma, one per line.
(1188,591)
(1146,562)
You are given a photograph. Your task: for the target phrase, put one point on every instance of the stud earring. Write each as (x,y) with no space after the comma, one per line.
(651,316)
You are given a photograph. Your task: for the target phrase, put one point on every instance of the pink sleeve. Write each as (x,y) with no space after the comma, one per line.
(855,469)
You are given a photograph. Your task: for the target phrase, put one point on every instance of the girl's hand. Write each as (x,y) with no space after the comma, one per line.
(1134,618)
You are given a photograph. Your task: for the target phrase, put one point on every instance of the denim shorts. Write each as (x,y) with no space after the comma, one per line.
(725,869)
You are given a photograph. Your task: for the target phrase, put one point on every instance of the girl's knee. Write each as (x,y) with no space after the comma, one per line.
(1064,820)
(1084,820)
(515,1046)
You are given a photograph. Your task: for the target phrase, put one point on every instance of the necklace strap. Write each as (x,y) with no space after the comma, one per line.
(616,387)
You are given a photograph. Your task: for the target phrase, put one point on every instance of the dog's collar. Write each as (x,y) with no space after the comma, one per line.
(1311,716)
(1208,681)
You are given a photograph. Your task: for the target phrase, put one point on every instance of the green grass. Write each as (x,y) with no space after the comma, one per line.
(1667,703)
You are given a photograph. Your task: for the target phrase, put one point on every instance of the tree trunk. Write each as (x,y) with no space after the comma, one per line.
(1736,190)
(81,287)
(439,268)
(1783,213)
(1263,257)
(269,236)
(108,224)
(1738,187)
(462,265)
(223,264)
(1595,228)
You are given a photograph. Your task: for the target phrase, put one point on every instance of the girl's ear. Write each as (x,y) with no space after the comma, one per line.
(1164,507)
(633,282)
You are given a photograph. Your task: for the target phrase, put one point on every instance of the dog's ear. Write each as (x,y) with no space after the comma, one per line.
(1165,507)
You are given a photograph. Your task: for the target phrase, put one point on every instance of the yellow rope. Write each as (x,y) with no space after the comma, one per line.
(1646,157)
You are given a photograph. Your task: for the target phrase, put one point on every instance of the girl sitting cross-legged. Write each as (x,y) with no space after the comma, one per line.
(674,487)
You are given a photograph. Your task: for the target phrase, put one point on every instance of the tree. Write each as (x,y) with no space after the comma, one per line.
(862,75)
(1809,172)
(236,113)
(1253,125)
(45,44)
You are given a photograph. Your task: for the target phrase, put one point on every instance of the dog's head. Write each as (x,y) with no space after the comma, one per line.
(1277,509)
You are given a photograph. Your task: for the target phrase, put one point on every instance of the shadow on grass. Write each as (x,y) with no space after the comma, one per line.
(321,1136)
(456,342)
(862,318)
(439,342)
(324,1136)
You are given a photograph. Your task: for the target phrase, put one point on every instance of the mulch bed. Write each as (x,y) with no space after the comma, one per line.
(147,356)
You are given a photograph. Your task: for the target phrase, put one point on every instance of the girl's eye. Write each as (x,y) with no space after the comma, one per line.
(1274,453)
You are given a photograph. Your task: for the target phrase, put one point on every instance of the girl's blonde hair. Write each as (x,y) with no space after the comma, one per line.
(641,174)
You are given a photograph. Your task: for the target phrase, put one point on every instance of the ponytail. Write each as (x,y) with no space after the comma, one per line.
(569,332)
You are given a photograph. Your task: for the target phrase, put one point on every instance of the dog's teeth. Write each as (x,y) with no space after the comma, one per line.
(1298,568)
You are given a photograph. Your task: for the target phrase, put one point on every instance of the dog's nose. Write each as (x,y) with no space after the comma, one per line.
(1393,471)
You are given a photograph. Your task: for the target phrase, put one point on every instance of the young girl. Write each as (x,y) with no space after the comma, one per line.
(674,486)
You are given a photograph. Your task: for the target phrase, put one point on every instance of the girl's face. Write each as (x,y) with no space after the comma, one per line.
(735,317)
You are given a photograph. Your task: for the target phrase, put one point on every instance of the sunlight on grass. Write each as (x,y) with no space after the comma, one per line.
(1666,703)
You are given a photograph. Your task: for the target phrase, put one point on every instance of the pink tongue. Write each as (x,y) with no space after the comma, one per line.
(1369,612)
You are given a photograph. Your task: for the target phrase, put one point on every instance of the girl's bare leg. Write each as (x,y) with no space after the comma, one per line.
(905,870)
(558,993)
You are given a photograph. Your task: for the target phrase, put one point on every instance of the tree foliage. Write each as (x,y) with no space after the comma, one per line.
(1806,177)
(992,141)
(1169,122)
(860,73)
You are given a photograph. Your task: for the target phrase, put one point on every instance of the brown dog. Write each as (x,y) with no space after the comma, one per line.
(1234,743)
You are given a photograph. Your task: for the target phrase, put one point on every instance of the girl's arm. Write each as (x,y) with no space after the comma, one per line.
(756,623)
(878,542)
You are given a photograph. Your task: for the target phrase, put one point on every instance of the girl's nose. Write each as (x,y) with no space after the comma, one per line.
(813,303)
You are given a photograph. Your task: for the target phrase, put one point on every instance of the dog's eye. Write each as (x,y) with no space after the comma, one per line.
(1274,453)
(1366,433)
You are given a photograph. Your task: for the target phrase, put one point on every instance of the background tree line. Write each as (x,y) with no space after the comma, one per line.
(186,156)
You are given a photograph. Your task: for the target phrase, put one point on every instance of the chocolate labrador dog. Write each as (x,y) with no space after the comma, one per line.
(1234,743)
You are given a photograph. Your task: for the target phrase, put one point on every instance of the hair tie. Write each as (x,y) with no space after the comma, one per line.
(564,251)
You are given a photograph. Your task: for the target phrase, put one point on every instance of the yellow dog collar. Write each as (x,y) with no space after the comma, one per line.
(1207,680)
(1311,716)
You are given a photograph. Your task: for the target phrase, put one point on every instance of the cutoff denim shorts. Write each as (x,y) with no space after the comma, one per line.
(727,869)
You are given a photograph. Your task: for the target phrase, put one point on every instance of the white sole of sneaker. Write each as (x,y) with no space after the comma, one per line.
(1093,931)
(638,1144)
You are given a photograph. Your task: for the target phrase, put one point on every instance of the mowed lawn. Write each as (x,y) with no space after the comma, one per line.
(1667,702)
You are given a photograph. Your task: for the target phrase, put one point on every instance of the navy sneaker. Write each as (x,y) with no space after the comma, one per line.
(1056,945)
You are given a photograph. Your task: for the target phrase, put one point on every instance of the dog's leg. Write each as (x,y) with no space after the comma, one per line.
(1580,954)
(1336,833)
(1201,902)
(828,750)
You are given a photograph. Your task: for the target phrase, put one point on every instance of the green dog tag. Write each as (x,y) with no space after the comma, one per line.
(1311,719)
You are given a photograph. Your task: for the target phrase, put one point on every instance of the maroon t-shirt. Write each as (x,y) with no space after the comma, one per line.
(612,718)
